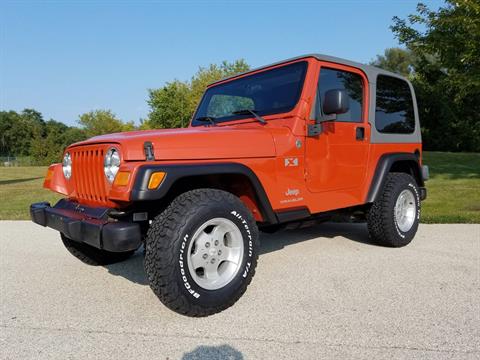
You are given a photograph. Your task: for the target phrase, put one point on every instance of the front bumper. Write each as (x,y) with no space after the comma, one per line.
(88,225)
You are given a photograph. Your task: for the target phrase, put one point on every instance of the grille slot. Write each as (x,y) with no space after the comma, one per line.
(87,173)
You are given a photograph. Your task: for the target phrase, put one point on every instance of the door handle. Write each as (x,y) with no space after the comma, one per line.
(360,133)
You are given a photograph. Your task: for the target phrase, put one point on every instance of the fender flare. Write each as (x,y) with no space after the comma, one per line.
(140,191)
(384,165)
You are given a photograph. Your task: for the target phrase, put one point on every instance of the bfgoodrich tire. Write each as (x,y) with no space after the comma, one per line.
(93,256)
(201,252)
(394,217)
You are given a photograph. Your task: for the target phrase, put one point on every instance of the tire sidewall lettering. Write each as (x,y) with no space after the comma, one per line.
(417,199)
(183,268)
(189,285)
(250,241)
(413,188)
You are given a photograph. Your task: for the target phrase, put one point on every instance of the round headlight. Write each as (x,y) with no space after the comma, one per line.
(111,164)
(67,165)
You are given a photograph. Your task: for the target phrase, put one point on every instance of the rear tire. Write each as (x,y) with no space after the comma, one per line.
(93,256)
(394,217)
(201,252)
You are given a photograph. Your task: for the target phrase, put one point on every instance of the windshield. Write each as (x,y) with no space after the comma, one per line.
(269,92)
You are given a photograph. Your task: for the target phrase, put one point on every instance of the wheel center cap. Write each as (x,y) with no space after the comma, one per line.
(212,251)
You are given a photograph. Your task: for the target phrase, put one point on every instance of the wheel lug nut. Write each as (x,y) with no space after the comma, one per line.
(207,244)
(205,256)
(216,242)
(219,252)
(212,261)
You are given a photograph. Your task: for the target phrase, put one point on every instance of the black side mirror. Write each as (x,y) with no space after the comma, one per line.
(336,102)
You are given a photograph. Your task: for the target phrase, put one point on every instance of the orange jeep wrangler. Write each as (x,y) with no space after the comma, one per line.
(298,140)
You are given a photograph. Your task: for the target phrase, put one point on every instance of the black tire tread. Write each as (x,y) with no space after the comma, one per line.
(379,220)
(161,257)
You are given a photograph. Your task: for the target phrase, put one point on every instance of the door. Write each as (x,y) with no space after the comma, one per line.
(336,159)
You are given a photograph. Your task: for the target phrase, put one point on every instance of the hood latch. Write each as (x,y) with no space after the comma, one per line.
(148,147)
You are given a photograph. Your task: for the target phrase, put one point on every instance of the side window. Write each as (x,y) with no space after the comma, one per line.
(331,79)
(394,106)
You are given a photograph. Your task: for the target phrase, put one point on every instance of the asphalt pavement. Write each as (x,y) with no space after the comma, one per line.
(321,292)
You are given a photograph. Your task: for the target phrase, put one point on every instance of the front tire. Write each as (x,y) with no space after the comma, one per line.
(93,256)
(394,217)
(201,252)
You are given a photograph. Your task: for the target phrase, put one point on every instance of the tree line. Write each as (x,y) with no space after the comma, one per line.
(440,55)
(27,135)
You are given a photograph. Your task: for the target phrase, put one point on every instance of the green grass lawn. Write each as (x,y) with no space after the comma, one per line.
(19,187)
(453,189)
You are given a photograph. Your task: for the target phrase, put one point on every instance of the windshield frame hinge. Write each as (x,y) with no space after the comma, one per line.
(314,129)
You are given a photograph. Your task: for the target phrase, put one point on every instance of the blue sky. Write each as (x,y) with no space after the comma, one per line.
(64,58)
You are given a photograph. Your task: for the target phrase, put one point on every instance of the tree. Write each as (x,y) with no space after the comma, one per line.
(397,60)
(99,122)
(446,46)
(48,148)
(174,104)
(73,135)
(17,131)
(171,106)
(7,118)
(27,134)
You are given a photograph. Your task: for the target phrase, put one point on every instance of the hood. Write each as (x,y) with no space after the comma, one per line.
(194,143)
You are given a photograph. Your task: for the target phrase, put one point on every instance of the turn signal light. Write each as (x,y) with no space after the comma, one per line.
(155,180)
(49,175)
(122,178)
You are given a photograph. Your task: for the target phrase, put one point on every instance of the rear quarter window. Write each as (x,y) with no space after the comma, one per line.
(394,106)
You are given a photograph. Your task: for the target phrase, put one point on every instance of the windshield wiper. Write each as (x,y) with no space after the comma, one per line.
(250,112)
(209,119)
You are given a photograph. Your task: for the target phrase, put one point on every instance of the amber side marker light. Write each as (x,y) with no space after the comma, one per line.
(155,180)
(49,175)
(122,178)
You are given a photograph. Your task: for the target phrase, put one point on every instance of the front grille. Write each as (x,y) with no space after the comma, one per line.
(87,173)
